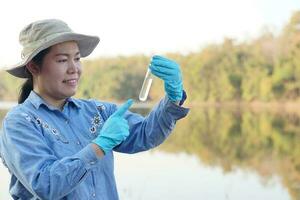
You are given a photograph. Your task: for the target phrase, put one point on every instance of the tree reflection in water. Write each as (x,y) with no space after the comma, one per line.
(265,141)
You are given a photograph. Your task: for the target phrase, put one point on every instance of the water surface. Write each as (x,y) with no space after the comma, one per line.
(215,154)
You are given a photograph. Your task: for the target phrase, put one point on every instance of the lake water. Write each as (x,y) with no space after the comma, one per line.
(214,154)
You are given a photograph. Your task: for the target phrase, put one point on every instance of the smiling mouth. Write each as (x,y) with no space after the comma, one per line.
(70,81)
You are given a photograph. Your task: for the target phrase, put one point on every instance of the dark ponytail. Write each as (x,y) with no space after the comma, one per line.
(25,89)
(28,84)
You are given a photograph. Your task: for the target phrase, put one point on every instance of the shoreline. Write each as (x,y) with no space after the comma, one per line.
(255,106)
(291,106)
(7,105)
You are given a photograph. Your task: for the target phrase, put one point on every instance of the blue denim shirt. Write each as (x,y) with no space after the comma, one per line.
(49,155)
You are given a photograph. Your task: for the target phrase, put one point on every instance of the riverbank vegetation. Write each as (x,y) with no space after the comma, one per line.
(265,69)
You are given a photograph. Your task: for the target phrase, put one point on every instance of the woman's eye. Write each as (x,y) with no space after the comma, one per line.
(77,59)
(62,60)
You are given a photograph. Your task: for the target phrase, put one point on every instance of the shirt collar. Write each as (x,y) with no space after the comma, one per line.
(37,101)
(74,102)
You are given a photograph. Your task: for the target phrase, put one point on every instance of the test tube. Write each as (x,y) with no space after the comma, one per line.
(146,86)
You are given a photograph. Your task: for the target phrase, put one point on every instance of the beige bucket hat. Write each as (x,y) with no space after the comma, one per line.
(40,35)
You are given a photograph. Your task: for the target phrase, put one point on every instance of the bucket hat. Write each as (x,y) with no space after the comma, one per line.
(40,35)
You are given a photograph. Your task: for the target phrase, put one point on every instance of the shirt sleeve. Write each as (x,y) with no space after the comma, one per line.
(149,132)
(30,159)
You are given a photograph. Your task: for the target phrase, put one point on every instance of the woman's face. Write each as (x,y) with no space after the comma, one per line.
(60,72)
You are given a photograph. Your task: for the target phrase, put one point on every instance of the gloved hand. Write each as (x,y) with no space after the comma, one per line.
(115,129)
(169,71)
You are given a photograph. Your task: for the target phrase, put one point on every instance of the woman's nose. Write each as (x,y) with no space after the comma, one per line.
(73,67)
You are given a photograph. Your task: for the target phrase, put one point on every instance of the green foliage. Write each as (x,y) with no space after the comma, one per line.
(9,86)
(264,69)
(278,89)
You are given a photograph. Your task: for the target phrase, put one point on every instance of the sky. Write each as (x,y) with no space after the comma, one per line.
(146,26)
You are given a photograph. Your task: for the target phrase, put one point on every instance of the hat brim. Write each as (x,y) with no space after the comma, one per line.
(86,45)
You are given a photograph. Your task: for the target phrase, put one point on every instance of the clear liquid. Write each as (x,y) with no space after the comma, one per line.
(146,86)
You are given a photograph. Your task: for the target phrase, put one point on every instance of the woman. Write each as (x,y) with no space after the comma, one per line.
(59,147)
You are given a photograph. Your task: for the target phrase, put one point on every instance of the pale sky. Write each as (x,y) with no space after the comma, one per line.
(128,27)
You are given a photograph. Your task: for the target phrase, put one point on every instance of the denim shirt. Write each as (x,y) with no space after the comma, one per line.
(49,155)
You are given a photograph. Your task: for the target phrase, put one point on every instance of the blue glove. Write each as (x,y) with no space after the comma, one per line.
(115,129)
(169,72)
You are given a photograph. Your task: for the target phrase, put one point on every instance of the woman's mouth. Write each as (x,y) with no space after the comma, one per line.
(70,82)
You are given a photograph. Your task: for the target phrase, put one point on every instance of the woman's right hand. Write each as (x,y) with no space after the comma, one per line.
(115,129)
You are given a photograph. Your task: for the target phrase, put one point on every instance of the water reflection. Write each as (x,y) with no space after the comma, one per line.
(264,143)
(181,176)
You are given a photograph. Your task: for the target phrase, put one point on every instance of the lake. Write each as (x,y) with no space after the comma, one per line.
(215,154)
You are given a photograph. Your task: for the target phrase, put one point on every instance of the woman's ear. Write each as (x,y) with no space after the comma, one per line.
(33,68)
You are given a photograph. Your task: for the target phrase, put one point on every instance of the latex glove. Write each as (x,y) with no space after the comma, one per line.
(169,72)
(115,129)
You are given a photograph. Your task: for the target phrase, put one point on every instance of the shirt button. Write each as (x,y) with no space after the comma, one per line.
(78,142)
(93,194)
(67,121)
(92,162)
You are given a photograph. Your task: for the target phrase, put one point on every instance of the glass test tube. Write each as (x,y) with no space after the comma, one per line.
(146,86)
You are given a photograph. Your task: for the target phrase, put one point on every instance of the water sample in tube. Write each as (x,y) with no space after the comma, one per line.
(146,86)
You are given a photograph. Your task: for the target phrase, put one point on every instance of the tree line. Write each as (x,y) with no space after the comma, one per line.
(266,68)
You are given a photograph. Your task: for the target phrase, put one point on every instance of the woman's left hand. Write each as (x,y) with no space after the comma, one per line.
(169,72)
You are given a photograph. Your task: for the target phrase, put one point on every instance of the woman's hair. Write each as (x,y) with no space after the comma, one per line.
(28,84)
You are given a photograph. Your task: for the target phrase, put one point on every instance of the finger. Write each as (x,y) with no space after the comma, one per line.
(165,64)
(161,58)
(167,75)
(121,123)
(126,133)
(121,110)
(157,57)
(166,71)
(160,74)
(124,123)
